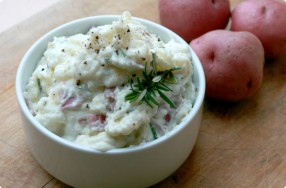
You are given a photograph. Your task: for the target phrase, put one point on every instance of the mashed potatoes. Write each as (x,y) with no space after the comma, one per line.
(79,86)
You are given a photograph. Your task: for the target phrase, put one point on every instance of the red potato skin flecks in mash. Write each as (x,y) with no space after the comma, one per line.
(233,63)
(192,18)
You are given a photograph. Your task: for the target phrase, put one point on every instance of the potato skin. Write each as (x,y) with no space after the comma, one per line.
(192,18)
(233,63)
(267,20)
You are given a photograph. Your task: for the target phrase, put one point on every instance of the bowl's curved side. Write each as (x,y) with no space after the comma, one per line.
(139,166)
(84,169)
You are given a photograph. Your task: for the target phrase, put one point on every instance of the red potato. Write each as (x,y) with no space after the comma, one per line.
(267,20)
(233,63)
(192,18)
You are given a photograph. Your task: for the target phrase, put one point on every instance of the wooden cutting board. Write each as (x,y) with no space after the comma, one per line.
(239,145)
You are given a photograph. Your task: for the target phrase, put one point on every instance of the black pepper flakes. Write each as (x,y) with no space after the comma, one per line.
(89,46)
(85,62)
(78,82)
(87,106)
(43,69)
(63,50)
(143,58)
(128,30)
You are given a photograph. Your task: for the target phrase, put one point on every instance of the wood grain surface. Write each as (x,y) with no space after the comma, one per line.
(239,145)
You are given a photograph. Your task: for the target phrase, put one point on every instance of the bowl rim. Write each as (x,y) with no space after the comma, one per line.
(44,131)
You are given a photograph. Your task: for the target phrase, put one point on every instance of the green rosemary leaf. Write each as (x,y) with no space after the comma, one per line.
(147,102)
(145,75)
(163,87)
(131,97)
(139,84)
(145,68)
(153,132)
(153,63)
(151,98)
(157,79)
(124,54)
(151,84)
(39,85)
(172,78)
(152,92)
(165,74)
(166,99)
(168,81)
(175,68)
(141,96)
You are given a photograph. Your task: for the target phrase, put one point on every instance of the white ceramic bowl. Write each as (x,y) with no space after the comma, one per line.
(139,166)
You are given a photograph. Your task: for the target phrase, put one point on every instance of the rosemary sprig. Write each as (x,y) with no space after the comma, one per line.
(154,132)
(152,84)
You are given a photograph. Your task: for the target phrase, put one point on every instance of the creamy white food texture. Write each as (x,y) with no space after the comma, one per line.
(78,88)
